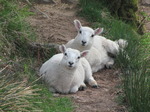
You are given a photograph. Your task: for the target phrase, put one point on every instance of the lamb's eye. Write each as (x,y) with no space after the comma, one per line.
(92,35)
(78,57)
(80,31)
(65,54)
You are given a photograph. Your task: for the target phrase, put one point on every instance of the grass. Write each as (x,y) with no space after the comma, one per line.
(19,90)
(134,62)
(17,67)
(52,104)
(14,95)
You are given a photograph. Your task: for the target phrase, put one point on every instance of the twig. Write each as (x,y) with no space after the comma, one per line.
(61,35)
(31,5)
(4,68)
(37,79)
(142,22)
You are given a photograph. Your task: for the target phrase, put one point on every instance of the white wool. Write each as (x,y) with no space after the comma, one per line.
(99,46)
(62,78)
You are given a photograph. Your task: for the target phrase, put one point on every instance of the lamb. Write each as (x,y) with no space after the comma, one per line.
(66,72)
(99,46)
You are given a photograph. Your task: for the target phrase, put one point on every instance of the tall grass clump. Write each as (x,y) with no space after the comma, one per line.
(14,96)
(20,88)
(134,61)
(15,32)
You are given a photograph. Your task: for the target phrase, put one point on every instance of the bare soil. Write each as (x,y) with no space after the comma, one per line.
(59,28)
(102,99)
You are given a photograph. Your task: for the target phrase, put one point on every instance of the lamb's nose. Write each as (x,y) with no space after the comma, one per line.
(71,63)
(83,42)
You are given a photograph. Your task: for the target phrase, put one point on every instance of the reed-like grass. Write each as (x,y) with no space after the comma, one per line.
(134,61)
(15,95)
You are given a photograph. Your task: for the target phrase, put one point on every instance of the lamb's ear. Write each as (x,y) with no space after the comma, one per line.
(84,53)
(77,24)
(62,48)
(98,31)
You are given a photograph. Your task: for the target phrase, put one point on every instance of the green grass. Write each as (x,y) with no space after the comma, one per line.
(134,62)
(21,68)
(13,29)
(52,104)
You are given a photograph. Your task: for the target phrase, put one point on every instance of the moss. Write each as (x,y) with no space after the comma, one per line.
(126,10)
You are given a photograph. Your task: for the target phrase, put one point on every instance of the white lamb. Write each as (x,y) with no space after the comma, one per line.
(66,72)
(88,39)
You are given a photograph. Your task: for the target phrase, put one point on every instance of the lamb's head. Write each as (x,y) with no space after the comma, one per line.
(71,57)
(85,35)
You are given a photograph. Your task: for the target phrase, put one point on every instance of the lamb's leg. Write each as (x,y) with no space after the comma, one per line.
(82,87)
(74,89)
(110,63)
(92,82)
(89,78)
(110,46)
(88,74)
(122,43)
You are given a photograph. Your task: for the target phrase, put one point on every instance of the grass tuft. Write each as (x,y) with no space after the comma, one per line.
(14,30)
(14,95)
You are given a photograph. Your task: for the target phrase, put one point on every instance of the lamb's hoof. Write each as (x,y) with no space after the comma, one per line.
(108,66)
(82,88)
(95,86)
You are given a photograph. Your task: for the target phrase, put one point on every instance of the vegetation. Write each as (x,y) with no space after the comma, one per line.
(134,61)
(14,95)
(20,88)
(126,10)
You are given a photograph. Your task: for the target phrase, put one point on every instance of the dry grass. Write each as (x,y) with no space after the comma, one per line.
(14,96)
